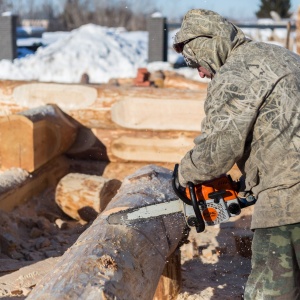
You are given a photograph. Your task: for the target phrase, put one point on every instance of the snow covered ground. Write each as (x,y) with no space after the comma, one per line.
(103,53)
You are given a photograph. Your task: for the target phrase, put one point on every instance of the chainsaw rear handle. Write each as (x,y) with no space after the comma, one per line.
(178,189)
(199,222)
(196,221)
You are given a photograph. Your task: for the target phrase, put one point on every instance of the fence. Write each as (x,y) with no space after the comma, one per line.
(158,28)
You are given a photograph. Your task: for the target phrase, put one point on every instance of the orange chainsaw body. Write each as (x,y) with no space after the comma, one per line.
(214,197)
(224,183)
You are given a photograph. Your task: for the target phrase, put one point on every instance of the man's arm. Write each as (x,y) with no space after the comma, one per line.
(231,110)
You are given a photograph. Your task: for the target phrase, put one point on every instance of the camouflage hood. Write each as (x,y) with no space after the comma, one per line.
(207,39)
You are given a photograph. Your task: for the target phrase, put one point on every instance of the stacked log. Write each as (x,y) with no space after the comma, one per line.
(107,123)
(158,123)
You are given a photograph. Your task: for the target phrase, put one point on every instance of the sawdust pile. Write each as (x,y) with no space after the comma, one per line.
(35,231)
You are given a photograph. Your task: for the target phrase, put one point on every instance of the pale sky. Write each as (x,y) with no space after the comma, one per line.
(236,9)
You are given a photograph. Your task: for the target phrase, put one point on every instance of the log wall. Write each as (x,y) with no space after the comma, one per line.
(110,123)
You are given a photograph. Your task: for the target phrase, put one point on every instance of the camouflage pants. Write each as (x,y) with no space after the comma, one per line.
(275,264)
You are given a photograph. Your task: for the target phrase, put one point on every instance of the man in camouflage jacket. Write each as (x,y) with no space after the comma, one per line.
(252,119)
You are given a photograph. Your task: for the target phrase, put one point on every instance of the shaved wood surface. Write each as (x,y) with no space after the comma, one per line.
(117,261)
(158,114)
(31,138)
(83,196)
(122,145)
(93,104)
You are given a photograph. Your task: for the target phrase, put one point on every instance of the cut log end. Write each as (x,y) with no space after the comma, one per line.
(83,196)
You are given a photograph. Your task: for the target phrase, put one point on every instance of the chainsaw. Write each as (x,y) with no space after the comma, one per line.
(209,203)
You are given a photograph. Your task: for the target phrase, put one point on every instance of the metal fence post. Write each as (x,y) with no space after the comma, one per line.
(8,39)
(298,31)
(158,39)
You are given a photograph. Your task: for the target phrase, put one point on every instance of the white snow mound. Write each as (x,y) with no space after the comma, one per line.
(101,52)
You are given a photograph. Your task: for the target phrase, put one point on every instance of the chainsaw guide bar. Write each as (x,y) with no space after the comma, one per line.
(145,213)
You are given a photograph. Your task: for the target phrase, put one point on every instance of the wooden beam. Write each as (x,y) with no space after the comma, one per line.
(31,138)
(117,261)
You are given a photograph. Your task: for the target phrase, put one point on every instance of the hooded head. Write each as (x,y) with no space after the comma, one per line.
(207,39)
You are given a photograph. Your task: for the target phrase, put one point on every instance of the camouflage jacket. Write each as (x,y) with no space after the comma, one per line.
(252,116)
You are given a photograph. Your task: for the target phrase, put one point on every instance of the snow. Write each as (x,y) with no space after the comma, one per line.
(12,178)
(103,53)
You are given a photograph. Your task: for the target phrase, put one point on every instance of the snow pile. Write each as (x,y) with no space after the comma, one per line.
(101,52)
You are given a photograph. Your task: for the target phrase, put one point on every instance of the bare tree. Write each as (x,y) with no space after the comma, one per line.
(5,5)
(74,14)
(71,14)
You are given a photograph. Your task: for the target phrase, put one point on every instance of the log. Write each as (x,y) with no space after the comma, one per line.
(20,282)
(169,284)
(66,96)
(83,196)
(123,145)
(31,138)
(91,105)
(117,261)
(17,186)
(174,80)
(158,114)
(118,170)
